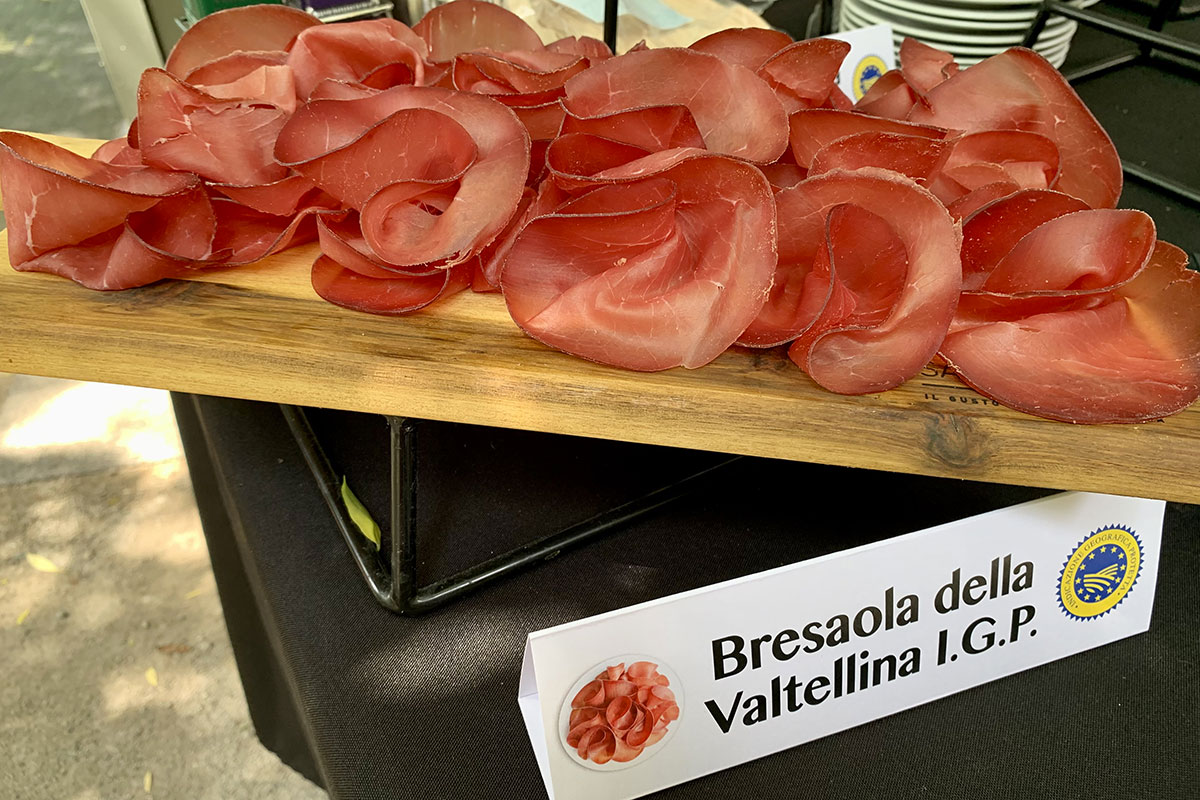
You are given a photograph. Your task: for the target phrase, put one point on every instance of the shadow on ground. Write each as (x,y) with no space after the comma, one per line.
(80,716)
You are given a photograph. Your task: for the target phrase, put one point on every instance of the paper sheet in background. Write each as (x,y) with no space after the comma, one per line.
(652,12)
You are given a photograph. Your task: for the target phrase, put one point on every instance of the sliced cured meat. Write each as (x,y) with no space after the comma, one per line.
(1020,90)
(393,295)
(414,144)
(442,202)
(234,67)
(803,74)
(618,726)
(1083,251)
(574,159)
(883,354)
(342,241)
(917,157)
(354,51)
(118,151)
(160,242)
(783,176)
(992,231)
(735,111)
(815,129)
(662,267)
(746,47)
(592,49)
(225,140)
(245,235)
(498,74)
(467,25)
(889,97)
(1129,355)
(1029,159)
(925,67)
(1026,160)
(251,28)
(857,277)
(285,196)
(39,179)
(262,76)
(652,128)
(974,200)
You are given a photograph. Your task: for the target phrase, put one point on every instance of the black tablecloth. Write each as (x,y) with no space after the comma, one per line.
(378,706)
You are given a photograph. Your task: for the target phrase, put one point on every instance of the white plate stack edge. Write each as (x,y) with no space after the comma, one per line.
(970,29)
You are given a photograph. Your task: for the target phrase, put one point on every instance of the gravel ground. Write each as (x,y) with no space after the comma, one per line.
(117,666)
(118,677)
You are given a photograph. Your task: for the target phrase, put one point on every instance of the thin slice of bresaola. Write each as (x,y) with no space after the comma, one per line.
(1025,160)
(813,130)
(342,241)
(352,51)
(245,235)
(1129,355)
(520,73)
(231,141)
(366,152)
(263,76)
(1083,251)
(992,231)
(38,180)
(159,242)
(890,96)
(118,151)
(917,157)
(251,28)
(860,270)
(574,158)
(592,49)
(1030,160)
(976,199)
(1020,90)
(882,355)
(651,128)
(443,202)
(661,265)
(710,89)
(925,67)
(467,25)
(746,47)
(285,196)
(394,295)
(803,74)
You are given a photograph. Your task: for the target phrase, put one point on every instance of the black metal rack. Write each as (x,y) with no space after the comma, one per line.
(1153,45)
(391,572)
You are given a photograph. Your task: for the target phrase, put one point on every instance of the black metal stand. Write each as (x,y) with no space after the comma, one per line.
(391,573)
(1152,44)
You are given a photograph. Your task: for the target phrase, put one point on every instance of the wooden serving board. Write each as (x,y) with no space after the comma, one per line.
(261,333)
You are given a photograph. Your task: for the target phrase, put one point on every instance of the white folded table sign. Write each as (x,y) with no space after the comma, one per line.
(642,698)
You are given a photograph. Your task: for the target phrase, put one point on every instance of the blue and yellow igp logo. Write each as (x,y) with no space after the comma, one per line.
(866,73)
(1100,572)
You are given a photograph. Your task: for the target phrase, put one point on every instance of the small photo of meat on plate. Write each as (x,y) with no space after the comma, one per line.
(619,713)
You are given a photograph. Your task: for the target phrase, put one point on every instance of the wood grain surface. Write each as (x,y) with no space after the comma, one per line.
(261,333)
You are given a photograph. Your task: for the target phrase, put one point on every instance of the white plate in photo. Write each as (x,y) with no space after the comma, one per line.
(564,716)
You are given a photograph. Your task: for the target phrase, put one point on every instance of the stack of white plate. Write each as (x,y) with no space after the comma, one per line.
(970,29)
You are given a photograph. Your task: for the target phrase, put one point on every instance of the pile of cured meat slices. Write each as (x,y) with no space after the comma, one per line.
(647,210)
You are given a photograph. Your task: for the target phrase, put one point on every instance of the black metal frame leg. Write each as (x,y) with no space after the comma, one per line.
(392,576)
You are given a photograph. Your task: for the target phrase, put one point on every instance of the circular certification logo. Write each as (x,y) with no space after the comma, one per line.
(1100,572)
(869,70)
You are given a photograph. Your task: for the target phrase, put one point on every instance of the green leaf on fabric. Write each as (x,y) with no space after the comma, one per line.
(361,517)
